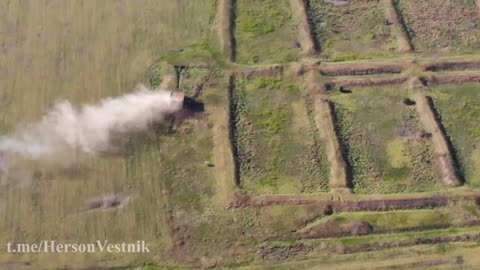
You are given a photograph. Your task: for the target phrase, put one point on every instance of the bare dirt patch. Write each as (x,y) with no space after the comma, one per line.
(335,228)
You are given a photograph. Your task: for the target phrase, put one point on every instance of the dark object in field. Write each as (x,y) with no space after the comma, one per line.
(344,90)
(107,202)
(193,105)
(297,44)
(189,109)
(408,102)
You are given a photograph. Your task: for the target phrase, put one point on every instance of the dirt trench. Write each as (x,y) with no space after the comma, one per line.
(367,82)
(351,69)
(408,243)
(392,16)
(453,79)
(324,120)
(305,36)
(452,66)
(432,125)
(244,200)
(225,25)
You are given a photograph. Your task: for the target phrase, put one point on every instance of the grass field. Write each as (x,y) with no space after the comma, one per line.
(83,51)
(274,125)
(459,107)
(429,24)
(352,31)
(265,32)
(388,155)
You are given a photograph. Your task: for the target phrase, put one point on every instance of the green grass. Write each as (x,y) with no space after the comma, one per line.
(371,121)
(351,32)
(459,107)
(265,32)
(276,139)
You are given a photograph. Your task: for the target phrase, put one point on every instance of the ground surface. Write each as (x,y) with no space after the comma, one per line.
(359,154)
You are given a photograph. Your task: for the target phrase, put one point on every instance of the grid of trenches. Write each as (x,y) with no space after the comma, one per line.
(388,150)
(277,146)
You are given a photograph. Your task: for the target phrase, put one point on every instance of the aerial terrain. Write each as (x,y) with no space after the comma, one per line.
(332,134)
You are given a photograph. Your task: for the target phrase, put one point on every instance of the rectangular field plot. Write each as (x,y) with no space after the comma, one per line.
(387,149)
(459,108)
(278,148)
(265,32)
(345,32)
(449,25)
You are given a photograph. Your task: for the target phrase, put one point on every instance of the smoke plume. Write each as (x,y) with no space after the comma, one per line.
(89,128)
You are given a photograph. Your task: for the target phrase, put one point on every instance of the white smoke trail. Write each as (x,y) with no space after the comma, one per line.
(90,127)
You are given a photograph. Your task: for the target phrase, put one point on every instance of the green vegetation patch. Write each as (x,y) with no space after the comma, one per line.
(450,26)
(278,145)
(387,149)
(266,32)
(459,107)
(352,31)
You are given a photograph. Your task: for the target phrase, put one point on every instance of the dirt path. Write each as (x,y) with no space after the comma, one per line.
(404,44)
(299,9)
(440,144)
(225,28)
(324,120)
(223,157)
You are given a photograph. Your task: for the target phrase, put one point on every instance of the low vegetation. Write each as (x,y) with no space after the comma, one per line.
(265,32)
(273,125)
(459,107)
(390,154)
(353,31)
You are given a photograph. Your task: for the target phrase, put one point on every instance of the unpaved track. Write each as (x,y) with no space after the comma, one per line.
(325,123)
(223,156)
(299,9)
(404,44)
(439,141)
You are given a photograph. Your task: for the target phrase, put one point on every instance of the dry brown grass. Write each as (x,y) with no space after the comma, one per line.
(447,26)
(84,51)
